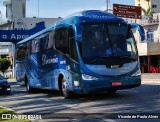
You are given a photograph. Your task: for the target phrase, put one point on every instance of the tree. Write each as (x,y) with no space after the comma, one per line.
(4,64)
(148,13)
(148,2)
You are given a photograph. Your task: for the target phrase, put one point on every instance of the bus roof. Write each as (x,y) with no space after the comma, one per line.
(79,18)
(88,16)
(35,35)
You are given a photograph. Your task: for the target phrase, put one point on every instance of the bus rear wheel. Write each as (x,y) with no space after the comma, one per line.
(28,87)
(64,89)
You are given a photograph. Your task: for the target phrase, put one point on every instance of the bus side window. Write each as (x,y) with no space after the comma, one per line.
(23,50)
(50,40)
(35,45)
(57,39)
(72,46)
(28,48)
(61,40)
(65,41)
(18,52)
(46,41)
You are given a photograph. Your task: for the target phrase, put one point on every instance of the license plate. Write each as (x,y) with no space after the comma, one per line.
(116,83)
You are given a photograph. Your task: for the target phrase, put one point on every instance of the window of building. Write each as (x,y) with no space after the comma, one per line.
(139,4)
(154,6)
(150,36)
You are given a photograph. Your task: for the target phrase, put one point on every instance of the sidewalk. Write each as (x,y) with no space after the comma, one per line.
(151,78)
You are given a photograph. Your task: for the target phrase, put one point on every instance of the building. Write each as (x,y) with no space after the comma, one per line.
(149,50)
(155,4)
(16,20)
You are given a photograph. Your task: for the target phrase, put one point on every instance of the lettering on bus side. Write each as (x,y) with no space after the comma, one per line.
(47,60)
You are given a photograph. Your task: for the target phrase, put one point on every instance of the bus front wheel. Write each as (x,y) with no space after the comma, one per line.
(111,92)
(66,93)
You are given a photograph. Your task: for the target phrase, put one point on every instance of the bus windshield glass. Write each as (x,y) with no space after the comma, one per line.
(107,40)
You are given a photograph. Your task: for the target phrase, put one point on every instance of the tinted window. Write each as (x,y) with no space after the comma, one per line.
(72,46)
(1,77)
(42,42)
(23,50)
(46,41)
(102,40)
(61,40)
(35,45)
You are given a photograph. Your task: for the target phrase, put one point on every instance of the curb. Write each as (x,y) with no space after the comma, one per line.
(151,80)
(7,108)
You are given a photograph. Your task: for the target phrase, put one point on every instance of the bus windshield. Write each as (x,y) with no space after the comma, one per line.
(107,40)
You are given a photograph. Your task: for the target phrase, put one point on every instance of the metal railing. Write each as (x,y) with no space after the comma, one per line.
(149,21)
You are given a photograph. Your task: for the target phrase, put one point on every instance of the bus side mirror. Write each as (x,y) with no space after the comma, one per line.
(140,29)
(78,33)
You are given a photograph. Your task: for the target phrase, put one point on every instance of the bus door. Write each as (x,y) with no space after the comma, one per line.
(73,62)
(66,46)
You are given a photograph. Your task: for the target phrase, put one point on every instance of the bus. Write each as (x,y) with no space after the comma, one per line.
(76,55)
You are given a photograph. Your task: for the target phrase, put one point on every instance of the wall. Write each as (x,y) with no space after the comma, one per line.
(142,49)
(156,2)
(29,23)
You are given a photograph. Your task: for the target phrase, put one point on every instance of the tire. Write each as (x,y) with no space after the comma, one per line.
(111,92)
(64,90)
(8,92)
(28,87)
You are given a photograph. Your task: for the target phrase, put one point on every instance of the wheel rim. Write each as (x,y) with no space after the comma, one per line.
(64,87)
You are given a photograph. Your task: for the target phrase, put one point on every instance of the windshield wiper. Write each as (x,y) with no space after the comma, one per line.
(104,56)
(134,59)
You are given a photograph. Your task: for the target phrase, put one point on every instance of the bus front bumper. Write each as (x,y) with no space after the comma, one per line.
(102,85)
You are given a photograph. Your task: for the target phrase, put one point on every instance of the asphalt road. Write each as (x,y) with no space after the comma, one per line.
(143,99)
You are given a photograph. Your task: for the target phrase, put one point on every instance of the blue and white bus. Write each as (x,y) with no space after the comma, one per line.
(77,55)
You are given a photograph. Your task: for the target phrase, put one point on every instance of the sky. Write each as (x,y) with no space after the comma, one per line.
(63,8)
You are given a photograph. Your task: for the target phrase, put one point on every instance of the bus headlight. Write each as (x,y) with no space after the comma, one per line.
(88,77)
(138,73)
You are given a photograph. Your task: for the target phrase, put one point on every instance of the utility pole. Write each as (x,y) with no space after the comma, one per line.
(107,5)
(38,10)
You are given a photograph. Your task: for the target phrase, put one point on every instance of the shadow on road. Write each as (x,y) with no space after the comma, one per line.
(144,99)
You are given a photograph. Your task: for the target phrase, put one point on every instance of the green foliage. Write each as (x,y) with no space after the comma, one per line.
(148,2)
(149,12)
(7,111)
(4,64)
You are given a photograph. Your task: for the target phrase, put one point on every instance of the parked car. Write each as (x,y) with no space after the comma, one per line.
(4,85)
(8,73)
